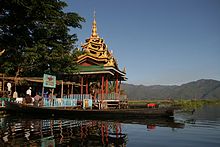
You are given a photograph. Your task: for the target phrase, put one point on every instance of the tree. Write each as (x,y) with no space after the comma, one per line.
(36,37)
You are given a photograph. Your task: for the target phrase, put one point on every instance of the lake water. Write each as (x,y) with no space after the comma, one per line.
(202,129)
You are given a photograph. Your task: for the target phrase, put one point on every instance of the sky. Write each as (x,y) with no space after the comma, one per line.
(160,42)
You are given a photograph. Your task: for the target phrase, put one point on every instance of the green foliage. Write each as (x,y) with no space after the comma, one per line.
(36,37)
(188,105)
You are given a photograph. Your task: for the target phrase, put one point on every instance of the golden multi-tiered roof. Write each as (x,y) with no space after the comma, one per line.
(95,49)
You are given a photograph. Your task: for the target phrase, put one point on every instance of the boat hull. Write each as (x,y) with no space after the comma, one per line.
(12,107)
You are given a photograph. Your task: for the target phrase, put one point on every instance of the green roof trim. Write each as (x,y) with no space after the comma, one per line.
(91,68)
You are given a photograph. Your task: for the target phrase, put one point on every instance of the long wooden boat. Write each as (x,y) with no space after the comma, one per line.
(13,107)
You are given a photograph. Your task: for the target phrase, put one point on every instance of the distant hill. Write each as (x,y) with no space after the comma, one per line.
(201,89)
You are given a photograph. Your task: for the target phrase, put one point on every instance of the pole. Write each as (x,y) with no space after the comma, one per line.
(102,94)
(62,89)
(81,85)
(42,92)
(72,89)
(3,88)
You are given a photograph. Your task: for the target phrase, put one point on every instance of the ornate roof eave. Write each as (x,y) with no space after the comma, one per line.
(94,72)
(116,70)
(83,57)
(102,69)
(122,77)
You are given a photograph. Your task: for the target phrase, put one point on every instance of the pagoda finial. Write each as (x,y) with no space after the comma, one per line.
(94,28)
(94,14)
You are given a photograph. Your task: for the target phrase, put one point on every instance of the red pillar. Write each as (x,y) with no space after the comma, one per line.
(116,84)
(102,94)
(106,85)
(87,87)
(81,85)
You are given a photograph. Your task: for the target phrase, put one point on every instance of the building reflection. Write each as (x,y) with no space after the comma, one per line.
(62,132)
(43,132)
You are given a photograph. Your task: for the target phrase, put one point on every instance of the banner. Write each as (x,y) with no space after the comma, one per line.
(49,81)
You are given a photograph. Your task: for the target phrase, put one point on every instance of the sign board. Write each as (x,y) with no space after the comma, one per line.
(49,81)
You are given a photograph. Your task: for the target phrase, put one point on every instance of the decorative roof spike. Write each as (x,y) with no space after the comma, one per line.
(94,28)
(124,70)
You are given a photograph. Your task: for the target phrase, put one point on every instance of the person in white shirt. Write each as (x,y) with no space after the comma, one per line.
(9,89)
(9,86)
(28,92)
(28,99)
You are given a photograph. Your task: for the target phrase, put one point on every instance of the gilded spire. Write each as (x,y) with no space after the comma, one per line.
(94,28)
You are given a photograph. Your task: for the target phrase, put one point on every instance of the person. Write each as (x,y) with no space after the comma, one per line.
(50,99)
(15,95)
(9,89)
(28,99)
(41,102)
(37,99)
(9,86)
(28,92)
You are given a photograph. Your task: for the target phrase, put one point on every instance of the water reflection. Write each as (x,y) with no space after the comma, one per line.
(17,131)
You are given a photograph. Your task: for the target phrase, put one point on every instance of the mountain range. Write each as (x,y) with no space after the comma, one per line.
(201,89)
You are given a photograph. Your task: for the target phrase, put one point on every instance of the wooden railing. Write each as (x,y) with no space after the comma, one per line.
(73,100)
(112,96)
(78,96)
(69,101)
